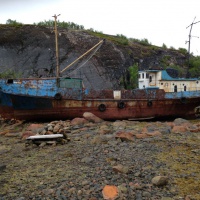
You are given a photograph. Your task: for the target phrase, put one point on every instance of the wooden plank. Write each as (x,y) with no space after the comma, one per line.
(38,137)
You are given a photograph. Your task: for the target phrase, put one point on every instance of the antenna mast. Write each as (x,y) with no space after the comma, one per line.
(57,54)
(189,41)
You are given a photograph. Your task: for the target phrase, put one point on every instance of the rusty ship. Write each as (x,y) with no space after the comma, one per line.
(158,95)
(66,98)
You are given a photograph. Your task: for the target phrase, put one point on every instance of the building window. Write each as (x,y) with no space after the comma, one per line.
(150,79)
(139,76)
(175,88)
(185,88)
(147,75)
(142,75)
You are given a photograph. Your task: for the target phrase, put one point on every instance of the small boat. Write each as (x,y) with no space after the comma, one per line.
(158,96)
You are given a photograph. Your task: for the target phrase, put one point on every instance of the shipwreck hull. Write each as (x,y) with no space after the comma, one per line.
(38,108)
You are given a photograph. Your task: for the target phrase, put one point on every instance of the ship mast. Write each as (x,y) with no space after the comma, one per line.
(189,41)
(57,53)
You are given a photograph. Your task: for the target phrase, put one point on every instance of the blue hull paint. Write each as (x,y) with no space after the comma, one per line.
(46,99)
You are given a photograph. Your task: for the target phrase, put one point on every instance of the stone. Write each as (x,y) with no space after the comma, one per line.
(2,168)
(179,129)
(91,117)
(122,188)
(78,121)
(48,191)
(110,192)
(124,136)
(159,180)
(180,121)
(119,124)
(141,135)
(56,128)
(5,132)
(121,169)
(154,133)
(13,134)
(87,160)
(35,127)
(26,134)
(166,198)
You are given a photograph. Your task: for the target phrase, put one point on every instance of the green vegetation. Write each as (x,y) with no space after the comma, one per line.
(120,39)
(70,25)
(182,50)
(144,41)
(10,74)
(13,22)
(129,80)
(165,61)
(195,66)
(164,46)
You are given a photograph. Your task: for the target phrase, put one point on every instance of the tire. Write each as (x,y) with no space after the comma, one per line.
(102,107)
(149,103)
(121,105)
(183,100)
(58,96)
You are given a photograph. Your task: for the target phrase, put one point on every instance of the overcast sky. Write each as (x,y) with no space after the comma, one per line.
(159,21)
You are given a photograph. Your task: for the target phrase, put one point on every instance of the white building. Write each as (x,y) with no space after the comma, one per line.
(160,79)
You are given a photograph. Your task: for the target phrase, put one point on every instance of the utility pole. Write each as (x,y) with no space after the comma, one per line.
(56,40)
(189,41)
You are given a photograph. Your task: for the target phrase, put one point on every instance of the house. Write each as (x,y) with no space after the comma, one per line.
(160,79)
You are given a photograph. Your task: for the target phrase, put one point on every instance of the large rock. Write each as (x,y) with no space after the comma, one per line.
(123,135)
(121,169)
(110,192)
(159,180)
(78,121)
(91,117)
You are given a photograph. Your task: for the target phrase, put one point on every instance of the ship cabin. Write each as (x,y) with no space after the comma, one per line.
(160,79)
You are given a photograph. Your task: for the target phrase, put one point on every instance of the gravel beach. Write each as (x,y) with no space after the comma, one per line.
(130,155)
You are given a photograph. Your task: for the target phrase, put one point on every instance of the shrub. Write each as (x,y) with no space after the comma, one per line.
(195,66)
(164,46)
(10,74)
(183,50)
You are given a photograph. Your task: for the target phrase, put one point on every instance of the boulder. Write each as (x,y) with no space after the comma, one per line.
(154,133)
(121,169)
(124,136)
(110,192)
(159,180)
(27,134)
(141,136)
(91,117)
(78,121)
(179,129)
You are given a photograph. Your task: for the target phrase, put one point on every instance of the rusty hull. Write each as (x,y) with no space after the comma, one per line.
(133,109)
(137,104)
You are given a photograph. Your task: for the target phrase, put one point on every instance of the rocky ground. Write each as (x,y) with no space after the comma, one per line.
(100,160)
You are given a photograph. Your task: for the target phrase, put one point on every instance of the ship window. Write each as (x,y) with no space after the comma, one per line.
(185,88)
(71,83)
(175,88)
(10,81)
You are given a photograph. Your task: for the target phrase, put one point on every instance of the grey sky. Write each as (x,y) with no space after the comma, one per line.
(159,21)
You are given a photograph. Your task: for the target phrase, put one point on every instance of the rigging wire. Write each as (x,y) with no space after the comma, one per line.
(86,60)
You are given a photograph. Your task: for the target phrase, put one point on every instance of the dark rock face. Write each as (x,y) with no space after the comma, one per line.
(30,50)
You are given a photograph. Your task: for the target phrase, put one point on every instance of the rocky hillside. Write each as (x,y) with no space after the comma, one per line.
(29,51)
